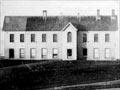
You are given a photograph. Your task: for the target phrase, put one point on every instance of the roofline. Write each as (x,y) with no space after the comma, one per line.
(68,26)
(58,16)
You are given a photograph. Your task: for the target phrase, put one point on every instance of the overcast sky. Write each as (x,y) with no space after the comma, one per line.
(54,7)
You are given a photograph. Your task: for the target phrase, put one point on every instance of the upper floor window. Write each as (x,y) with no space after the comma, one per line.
(21,37)
(11,37)
(107,37)
(32,37)
(95,37)
(54,37)
(43,37)
(84,37)
(69,37)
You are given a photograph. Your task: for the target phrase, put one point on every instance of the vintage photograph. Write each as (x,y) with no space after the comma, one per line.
(59,45)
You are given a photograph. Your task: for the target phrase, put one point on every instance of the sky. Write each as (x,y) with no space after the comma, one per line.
(56,7)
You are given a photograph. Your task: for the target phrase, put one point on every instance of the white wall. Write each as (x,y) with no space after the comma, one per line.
(71,45)
(101,44)
(61,45)
(27,44)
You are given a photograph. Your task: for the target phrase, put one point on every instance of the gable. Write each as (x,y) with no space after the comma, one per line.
(69,25)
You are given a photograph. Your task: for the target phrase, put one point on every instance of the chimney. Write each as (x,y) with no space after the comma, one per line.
(44,15)
(78,17)
(113,14)
(61,16)
(98,15)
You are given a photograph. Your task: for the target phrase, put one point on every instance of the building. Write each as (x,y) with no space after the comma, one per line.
(61,37)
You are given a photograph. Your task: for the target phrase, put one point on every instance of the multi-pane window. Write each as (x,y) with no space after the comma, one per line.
(84,37)
(21,37)
(84,51)
(32,52)
(107,37)
(54,37)
(96,53)
(22,52)
(55,53)
(11,37)
(44,53)
(69,53)
(43,37)
(69,37)
(107,52)
(95,37)
(32,37)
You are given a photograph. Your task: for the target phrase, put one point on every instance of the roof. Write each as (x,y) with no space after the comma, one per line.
(57,23)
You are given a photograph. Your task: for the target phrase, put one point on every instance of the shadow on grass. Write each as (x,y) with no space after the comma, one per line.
(57,74)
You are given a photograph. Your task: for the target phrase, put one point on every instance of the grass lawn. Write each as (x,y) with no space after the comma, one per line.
(58,73)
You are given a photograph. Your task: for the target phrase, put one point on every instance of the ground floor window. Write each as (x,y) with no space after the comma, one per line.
(44,53)
(85,52)
(69,53)
(22,52)
(55,53)
(11,53)
(96,53)
(32,52)
(107,52)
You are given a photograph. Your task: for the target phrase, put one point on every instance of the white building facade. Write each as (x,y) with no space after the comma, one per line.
(61,37)
(45,45)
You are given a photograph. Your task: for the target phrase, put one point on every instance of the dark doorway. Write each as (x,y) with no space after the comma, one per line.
(69,53)
(85,52)
(11,53)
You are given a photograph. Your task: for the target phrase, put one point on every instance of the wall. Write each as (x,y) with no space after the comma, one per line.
(61,45)
(71,45)
(27,44)
(101,44)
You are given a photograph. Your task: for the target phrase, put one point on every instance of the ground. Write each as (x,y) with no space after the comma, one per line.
(49,74)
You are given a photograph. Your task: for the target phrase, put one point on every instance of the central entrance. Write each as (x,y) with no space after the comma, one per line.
(69,53)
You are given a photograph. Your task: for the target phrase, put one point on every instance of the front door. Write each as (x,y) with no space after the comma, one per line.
(11,53)
(69,53)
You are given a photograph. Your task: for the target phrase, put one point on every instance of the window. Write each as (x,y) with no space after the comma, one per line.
(55,53)
(84,37)
(11,37)
(84,51)
(43,37)
(69,37)
(32,52)
(21,37)
(22,52)
(107,52)
(69,53)
(54,37)
(32,37)
(96,53)
(107,37)
(44,53)
(95,37)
